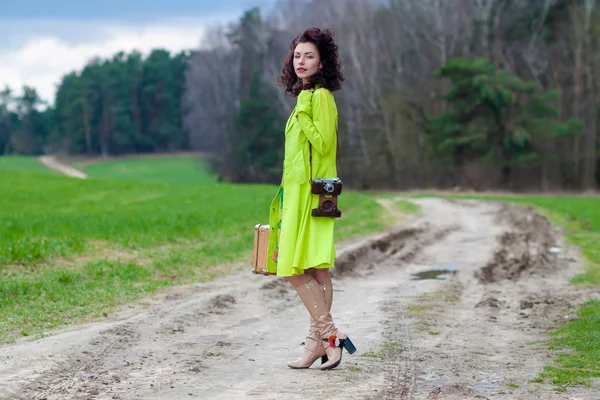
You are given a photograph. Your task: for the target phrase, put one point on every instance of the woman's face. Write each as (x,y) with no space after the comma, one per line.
(306,60)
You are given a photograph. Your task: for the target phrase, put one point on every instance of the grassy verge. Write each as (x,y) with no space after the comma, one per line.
(577,343)
(406,207)
(428,306)
(71,250)
(577,346)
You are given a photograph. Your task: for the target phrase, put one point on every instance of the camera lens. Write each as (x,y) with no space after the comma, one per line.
(328,187)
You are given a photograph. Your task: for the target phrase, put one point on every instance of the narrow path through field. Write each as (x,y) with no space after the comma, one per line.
(466,335)
(52,163)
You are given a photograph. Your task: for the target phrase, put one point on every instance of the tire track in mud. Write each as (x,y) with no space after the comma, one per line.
(115,355)
(404,362)
(471,335)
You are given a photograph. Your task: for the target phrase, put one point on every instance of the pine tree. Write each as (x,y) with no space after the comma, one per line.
(258,152)
(494,116)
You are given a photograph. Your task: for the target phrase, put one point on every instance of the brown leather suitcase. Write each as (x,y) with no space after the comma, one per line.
(261,243)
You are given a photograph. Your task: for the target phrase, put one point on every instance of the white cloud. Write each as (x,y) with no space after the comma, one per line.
(40,60)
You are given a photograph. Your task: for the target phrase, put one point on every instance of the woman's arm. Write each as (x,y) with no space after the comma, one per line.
(316,114)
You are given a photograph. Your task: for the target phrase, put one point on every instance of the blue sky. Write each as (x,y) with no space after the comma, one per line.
(42,40)
(121,9)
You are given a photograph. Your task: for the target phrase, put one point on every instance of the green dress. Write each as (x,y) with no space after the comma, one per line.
(297,240)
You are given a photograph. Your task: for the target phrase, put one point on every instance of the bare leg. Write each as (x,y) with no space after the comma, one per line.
(321,275)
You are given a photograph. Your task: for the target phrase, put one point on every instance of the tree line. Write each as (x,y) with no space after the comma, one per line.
(478,94)
(472,93)
(124,104)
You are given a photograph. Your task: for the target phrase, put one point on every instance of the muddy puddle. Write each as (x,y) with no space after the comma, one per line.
(439,274)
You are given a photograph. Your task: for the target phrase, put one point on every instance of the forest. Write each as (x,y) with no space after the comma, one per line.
(468,94)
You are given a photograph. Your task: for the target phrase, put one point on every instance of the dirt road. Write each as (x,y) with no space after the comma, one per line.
(52,163)
(466,335)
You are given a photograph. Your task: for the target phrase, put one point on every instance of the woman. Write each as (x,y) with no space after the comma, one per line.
(301,247)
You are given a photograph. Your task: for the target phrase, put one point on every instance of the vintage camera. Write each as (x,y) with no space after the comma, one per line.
(331,187)
(328,191)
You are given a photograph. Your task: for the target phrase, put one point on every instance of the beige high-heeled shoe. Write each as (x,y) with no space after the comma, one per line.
(313,348)
(335,343)
(332,338)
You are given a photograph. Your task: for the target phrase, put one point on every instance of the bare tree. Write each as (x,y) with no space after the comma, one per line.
(390,51)
(212,93)
(591,71)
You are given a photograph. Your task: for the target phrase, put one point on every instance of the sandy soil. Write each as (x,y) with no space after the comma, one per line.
(53,163)
(466,335)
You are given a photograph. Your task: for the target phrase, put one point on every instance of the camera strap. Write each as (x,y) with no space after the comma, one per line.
(337,157)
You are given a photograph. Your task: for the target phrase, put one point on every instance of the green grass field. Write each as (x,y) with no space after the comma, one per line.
(186,170)
(71,249)
(22,163)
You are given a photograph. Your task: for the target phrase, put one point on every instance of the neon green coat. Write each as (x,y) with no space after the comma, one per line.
(304,241)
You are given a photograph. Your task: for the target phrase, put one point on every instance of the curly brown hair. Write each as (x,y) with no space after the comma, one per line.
(330,76)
